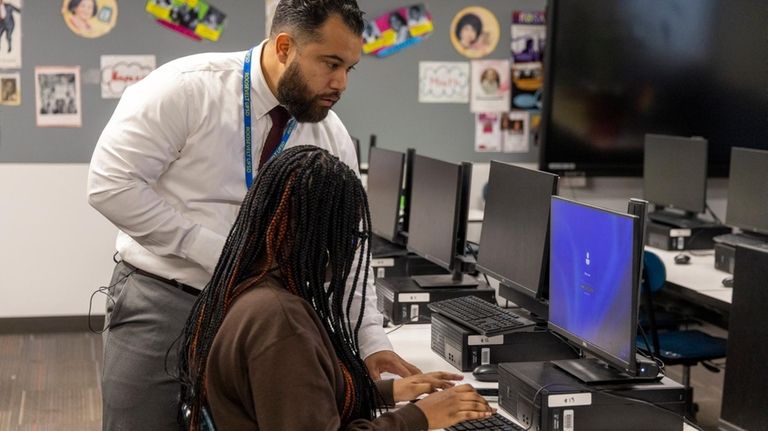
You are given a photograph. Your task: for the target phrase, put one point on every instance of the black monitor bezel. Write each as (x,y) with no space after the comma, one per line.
(451,264)
(749,227)
(700,183)
(392,236)
(630,366)
(515,291)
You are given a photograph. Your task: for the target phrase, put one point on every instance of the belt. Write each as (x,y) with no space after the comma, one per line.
(173,283)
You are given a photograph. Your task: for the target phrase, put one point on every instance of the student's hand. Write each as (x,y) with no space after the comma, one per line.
(451,406)
(388,361)
(411,387)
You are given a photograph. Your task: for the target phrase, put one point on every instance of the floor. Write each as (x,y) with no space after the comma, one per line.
(51,382)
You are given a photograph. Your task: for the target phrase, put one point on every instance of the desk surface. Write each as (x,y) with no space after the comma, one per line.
(412,342)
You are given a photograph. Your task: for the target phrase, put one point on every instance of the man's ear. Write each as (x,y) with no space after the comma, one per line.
(284,43)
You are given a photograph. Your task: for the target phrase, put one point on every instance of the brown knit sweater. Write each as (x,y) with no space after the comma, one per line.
(273,367)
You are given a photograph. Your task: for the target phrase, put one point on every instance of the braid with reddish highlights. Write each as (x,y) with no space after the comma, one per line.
(306,214)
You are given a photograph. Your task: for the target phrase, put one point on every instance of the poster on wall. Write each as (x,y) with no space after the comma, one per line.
(89,18)
(528,36)
(490,86)
(10,34)
(120,71)
(514,132)
(10,89)
(528,39)
(487,132)
(195,19)
(443,82)
(57,96)
(527,79)
(397,30)
(475,32)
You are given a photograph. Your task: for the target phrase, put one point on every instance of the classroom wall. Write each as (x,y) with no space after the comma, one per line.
(55,250)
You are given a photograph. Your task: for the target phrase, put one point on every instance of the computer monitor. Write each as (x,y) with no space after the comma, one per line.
(385,184)
(748,191)
(675,172)
(515,235)
(593,286)
(438,206)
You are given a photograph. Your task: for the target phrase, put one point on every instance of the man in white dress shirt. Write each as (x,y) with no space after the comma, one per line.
(171,169)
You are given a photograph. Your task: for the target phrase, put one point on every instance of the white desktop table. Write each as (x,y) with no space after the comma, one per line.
(412,342)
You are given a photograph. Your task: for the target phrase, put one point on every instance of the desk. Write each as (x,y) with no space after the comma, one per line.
(698,283)
(412,342)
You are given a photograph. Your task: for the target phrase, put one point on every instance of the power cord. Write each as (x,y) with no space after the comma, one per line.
(105,291)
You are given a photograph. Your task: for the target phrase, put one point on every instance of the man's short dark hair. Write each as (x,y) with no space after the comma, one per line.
(305,17)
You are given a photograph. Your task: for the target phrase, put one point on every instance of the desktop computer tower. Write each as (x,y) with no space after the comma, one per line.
(690,238)
(725,257)
(402,301)
(465,349)
(543,397)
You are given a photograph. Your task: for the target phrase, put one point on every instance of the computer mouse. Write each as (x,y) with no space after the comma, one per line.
(486,373)
(682,259)
(728,282)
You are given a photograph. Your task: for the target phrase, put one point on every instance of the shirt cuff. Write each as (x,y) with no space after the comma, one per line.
(413,416)
(373,339)
(205,248)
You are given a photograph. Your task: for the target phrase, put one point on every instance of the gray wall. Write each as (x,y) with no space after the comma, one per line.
(381,99)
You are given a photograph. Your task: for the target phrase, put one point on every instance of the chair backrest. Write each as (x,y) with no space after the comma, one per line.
(654,272)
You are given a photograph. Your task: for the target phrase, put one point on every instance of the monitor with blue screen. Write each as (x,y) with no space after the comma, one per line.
(594,261)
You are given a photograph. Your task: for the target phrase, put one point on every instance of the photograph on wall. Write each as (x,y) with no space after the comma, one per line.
(475,32)
(514,132)
(10,34)
(443,82)
(397,30)
(10,89)
(528,36)
(487,132)
(90,18)
(490,86)
(57,96)
(195,19)
(120,71)
(527,79)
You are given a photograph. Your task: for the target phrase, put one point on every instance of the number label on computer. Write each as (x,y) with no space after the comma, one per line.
(569,400)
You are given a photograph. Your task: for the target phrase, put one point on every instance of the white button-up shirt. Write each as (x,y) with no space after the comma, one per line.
(169,169)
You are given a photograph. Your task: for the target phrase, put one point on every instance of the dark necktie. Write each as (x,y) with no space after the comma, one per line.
(280,117)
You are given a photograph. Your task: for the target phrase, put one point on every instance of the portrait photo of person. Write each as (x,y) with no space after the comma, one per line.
(398,24)
(371,32)
(213,19)
(490,81)
(475,32)
(9,89)
(90,18)
(417,15)
(57,94)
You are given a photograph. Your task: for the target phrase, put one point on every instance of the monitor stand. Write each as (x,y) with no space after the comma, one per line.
(684,220)
(456,279)
(593,371)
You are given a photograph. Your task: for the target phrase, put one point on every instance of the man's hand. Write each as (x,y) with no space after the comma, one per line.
(388,361)
(408,388)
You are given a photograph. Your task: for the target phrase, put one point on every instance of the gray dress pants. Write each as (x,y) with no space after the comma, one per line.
(145,319)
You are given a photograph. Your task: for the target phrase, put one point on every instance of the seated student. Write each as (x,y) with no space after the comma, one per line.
(269,344)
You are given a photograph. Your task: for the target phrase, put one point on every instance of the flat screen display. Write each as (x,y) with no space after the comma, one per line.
(385,183)
(616,70)
(594,262)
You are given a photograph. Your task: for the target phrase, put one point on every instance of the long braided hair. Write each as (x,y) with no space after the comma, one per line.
(306,214)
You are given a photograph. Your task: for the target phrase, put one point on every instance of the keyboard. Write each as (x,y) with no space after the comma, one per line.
(741,239)
(480,315)
(496,422)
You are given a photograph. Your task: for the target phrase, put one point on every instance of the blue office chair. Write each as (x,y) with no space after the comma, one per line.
(675,347)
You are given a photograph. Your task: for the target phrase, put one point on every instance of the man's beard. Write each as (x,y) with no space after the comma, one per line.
(294,93)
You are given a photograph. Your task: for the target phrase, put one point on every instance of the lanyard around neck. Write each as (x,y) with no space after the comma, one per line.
(247,123)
